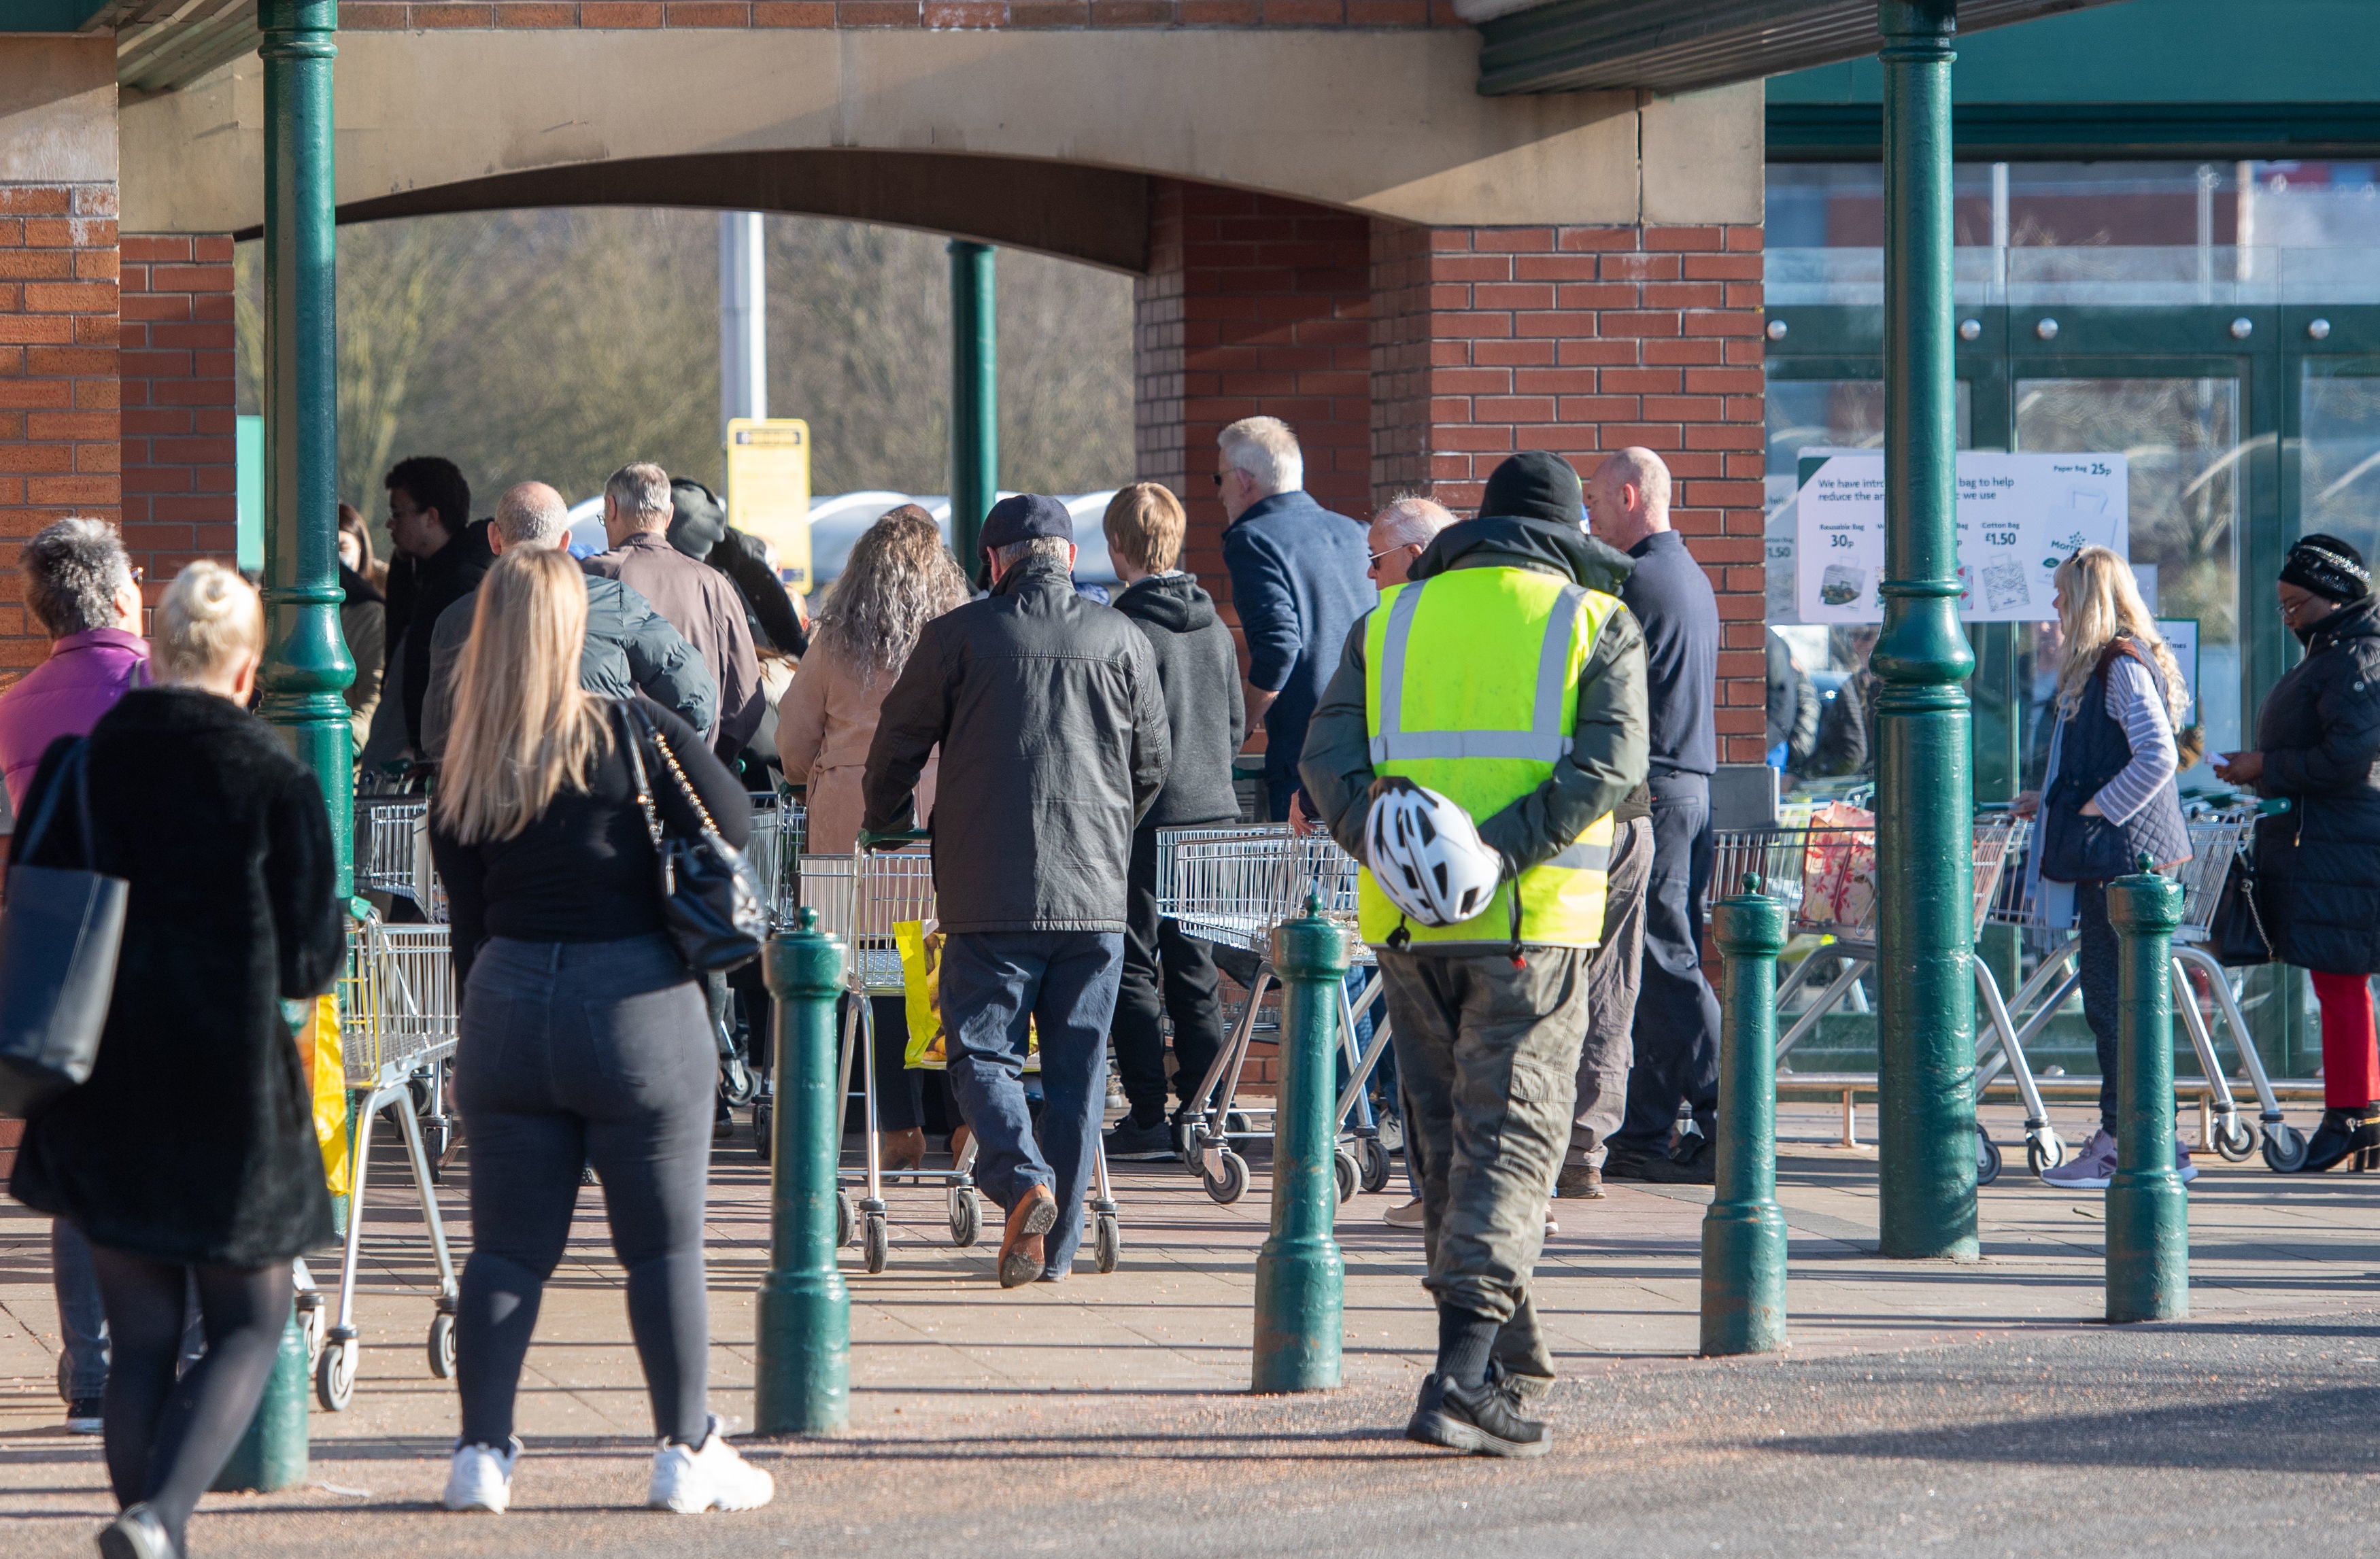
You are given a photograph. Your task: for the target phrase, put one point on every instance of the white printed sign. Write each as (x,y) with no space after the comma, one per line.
(2181,635)
(2019,517)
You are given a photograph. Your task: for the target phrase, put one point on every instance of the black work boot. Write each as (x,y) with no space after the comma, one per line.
(2342,1132)
(1484,1419)
(1694,1162)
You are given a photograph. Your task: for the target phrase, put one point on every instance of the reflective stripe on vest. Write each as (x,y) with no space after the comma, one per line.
(1429,675)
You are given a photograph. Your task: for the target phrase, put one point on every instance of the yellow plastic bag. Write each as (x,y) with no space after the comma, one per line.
(321,1041)
(921,943)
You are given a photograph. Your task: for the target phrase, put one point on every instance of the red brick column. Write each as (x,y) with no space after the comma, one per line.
(1584,340)
(57,379)
(180,462)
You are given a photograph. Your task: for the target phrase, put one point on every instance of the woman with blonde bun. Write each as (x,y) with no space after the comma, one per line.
(189,1157)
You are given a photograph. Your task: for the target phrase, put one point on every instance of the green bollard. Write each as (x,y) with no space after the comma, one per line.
(805,1343)
(2148,1210)
(1301,1281)
(1743,1233)
(272,1456)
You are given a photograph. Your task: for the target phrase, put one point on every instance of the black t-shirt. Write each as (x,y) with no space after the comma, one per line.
(585,870)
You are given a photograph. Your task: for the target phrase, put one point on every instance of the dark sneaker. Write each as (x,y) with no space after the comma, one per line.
(1620,1164)
(136,1534)
(1694,1164)
(1581,1180)
(82,1417)
(1485,1421)
(1128,1144)
(2342,1132)
(1522,1388)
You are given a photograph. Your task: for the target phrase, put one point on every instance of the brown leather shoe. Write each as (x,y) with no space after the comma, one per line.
(1021,1255)
(900,1150)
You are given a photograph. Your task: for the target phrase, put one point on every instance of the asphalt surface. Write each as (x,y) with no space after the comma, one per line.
(2181,1439)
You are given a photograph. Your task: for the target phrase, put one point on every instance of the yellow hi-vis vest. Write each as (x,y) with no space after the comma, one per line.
(1470,689)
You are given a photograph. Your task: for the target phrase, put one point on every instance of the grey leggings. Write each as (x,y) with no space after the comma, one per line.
(572,1054)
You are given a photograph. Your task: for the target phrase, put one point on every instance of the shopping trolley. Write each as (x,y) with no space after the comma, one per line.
(1825,876)
(397,1016)
(2217,836)
(860,897)
(1230,887)
(393,852)
(779,827)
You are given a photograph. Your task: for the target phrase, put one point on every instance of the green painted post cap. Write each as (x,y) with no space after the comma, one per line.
(2146,902)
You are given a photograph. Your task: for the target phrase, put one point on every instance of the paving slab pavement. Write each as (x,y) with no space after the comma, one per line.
(1112,1409)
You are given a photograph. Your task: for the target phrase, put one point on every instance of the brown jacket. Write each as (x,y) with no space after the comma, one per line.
(703,604)
(824,724)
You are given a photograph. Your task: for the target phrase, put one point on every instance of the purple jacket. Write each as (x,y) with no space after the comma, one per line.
(65,695)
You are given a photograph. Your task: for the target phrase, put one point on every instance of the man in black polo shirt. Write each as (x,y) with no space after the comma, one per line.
(1676,1030)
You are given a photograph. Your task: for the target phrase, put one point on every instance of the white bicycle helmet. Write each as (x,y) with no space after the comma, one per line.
(1427,856)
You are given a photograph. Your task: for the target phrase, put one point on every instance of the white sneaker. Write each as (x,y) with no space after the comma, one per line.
(711,1477)
(481,1478)
(1407,1217)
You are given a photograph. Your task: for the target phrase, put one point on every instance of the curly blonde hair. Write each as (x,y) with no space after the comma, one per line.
(898,578)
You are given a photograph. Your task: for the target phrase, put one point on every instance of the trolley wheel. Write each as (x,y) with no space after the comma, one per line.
(966,1218)
(1229,1178)
(1107,1242)
(2237,1140)
(738,1082)
(442,1347)
(2044,1150)
(879,1238)
(763,1130)
(1238,1125)
(1344,1176)
(450,1141)
(334,1377)
(420,1088)
(1987,1159)
(314,1325)
(2284,1149)
(1372,1159)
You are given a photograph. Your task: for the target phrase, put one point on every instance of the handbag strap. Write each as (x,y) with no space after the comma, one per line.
(72,771)
(685,786)
(636,771)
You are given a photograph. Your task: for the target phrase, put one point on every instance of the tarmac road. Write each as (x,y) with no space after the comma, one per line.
(2182,1439)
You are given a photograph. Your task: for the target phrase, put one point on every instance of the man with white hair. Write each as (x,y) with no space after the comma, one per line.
(1297,581)
(1400,532)
(630,648)
(698,600)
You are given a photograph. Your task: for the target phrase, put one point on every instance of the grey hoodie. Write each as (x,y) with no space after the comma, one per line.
(1201,672)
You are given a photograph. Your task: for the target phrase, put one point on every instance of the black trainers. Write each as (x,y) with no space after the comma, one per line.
(1620,1164)
(1129,1143)
(1693,1164)
(83,1416)
(1484,1422)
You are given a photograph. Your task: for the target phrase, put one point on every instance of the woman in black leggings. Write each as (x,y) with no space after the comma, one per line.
(585,1041)
(190,1152)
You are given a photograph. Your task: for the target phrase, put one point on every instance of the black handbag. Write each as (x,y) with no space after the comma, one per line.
(2237,935)
(710,893)
(60,931)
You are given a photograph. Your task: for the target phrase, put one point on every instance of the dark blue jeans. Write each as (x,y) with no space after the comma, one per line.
(1064,983)
(1676,1037)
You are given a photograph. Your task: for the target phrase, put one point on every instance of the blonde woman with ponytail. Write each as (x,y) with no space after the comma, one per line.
(2109,798)
(189,1158)
(585,1041)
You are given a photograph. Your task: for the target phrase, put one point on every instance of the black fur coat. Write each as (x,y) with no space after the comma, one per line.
(194,1139)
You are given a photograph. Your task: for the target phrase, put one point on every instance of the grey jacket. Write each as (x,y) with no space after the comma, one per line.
(630,649)
(1608,755)
(1051,723)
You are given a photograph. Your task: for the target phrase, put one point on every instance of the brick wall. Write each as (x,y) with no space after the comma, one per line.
(58,422)
(1582,340)
(180,489)
(1253,306)
(387,15)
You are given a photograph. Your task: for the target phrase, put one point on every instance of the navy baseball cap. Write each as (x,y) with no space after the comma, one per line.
(1025,517)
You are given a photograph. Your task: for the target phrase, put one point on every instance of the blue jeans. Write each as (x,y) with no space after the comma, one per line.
(1064,983)
(82,1323)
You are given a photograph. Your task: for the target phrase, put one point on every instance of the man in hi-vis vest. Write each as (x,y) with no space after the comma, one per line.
(1485,719)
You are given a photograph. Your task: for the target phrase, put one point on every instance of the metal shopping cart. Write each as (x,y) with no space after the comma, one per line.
(1230,887)
(2216,837)
(861,897)
(393,852)
(397,1020)
(1825,874)
(780,828)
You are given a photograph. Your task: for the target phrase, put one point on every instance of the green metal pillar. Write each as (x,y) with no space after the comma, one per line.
(305,665)
(2148,1212)
(1744,1232)
(805,1343)
(975,397)
(1926,927)
(1301,1280)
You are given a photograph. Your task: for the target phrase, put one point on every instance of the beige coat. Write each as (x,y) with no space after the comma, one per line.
(824,724)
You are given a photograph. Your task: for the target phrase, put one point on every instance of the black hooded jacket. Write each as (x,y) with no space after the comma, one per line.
(1606,759)
(439,581)
(701,530)
(1204,713)
(2318,865)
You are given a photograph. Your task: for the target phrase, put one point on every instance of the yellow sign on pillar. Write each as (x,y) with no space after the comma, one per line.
(769,490)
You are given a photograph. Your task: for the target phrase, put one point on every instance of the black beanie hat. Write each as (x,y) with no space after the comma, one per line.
(2328,567)
(1535,484)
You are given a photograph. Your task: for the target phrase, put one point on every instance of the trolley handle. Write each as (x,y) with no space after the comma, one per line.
(892,838)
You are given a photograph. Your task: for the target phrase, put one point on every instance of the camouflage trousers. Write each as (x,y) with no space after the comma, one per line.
(1486,1063)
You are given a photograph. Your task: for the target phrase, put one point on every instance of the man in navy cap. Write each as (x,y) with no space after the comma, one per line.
(1051,723)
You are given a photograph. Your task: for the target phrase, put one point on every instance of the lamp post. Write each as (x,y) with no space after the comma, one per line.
(975,396)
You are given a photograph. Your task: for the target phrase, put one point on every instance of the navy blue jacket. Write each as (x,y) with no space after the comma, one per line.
(1299,580)
(1671,597)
